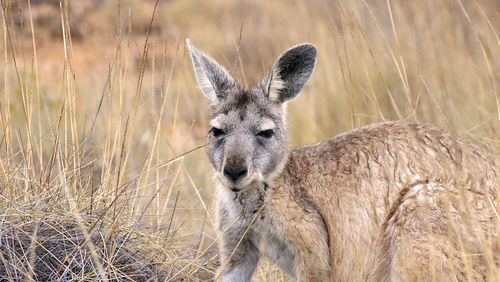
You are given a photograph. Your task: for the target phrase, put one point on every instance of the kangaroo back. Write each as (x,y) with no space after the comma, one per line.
(400,199)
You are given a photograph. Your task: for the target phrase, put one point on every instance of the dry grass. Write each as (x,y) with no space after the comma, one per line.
(98,103)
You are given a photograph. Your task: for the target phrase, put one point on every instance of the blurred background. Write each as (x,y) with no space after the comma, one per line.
(103,125)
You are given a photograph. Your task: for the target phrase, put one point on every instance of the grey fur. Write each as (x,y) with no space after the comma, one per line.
(215,82)
(292,69)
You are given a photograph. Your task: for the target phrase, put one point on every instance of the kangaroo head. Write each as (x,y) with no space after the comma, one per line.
(248,143)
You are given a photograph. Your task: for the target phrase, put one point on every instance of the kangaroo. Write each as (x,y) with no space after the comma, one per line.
(392,201)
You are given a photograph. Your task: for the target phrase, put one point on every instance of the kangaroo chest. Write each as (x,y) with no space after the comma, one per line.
(263,232)
(274,247)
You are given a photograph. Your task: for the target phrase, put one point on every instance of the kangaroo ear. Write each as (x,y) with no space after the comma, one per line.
(290,73)
(212,78)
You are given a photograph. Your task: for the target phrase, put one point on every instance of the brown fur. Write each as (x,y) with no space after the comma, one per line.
(401,201)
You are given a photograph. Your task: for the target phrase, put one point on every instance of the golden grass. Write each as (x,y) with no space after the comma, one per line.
(99,104)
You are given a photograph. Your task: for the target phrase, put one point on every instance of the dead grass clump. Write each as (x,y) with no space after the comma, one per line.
(45,250)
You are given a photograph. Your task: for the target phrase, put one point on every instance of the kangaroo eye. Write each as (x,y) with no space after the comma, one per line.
(216,131)
(266,133)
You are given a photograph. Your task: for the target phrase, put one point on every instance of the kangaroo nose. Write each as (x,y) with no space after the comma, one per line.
(235,174)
